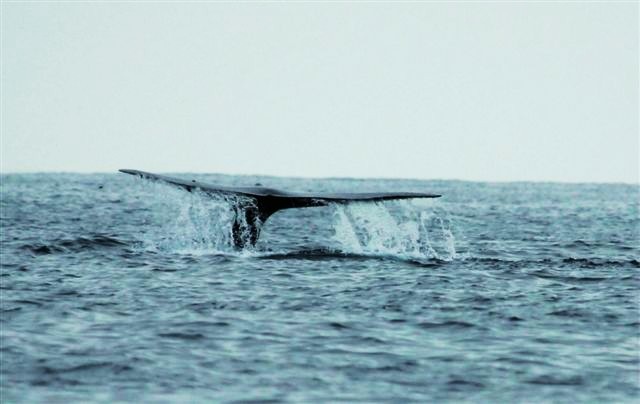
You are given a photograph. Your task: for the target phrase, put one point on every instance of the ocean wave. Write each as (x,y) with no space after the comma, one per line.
(78,244)
(321,254)
(590,262)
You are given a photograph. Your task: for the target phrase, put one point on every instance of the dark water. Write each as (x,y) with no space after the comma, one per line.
(116,289)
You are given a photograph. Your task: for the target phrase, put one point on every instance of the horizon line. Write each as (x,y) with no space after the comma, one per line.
(567,182)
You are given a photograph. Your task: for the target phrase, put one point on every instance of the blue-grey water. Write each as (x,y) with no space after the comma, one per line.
(116,289)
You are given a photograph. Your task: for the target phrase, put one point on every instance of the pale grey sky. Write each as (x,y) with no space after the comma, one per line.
(477,91)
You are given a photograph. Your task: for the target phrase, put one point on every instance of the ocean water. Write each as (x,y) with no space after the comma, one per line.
(118,289)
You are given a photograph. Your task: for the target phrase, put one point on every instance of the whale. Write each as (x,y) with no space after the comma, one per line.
(256,204)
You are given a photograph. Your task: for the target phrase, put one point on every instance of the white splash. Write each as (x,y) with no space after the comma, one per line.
(403,229)
(197,223)
(194,223)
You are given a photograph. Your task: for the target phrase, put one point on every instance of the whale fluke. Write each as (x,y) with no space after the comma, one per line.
(262,202)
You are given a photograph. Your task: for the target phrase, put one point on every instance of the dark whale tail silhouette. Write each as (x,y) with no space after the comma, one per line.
(263,202)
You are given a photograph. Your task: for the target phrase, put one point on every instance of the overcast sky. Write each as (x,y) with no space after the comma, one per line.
(478,91)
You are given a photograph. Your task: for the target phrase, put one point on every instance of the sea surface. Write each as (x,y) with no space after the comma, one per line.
(114,288)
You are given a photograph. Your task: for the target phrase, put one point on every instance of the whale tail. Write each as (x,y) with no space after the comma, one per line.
(259,203)
(254,212)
